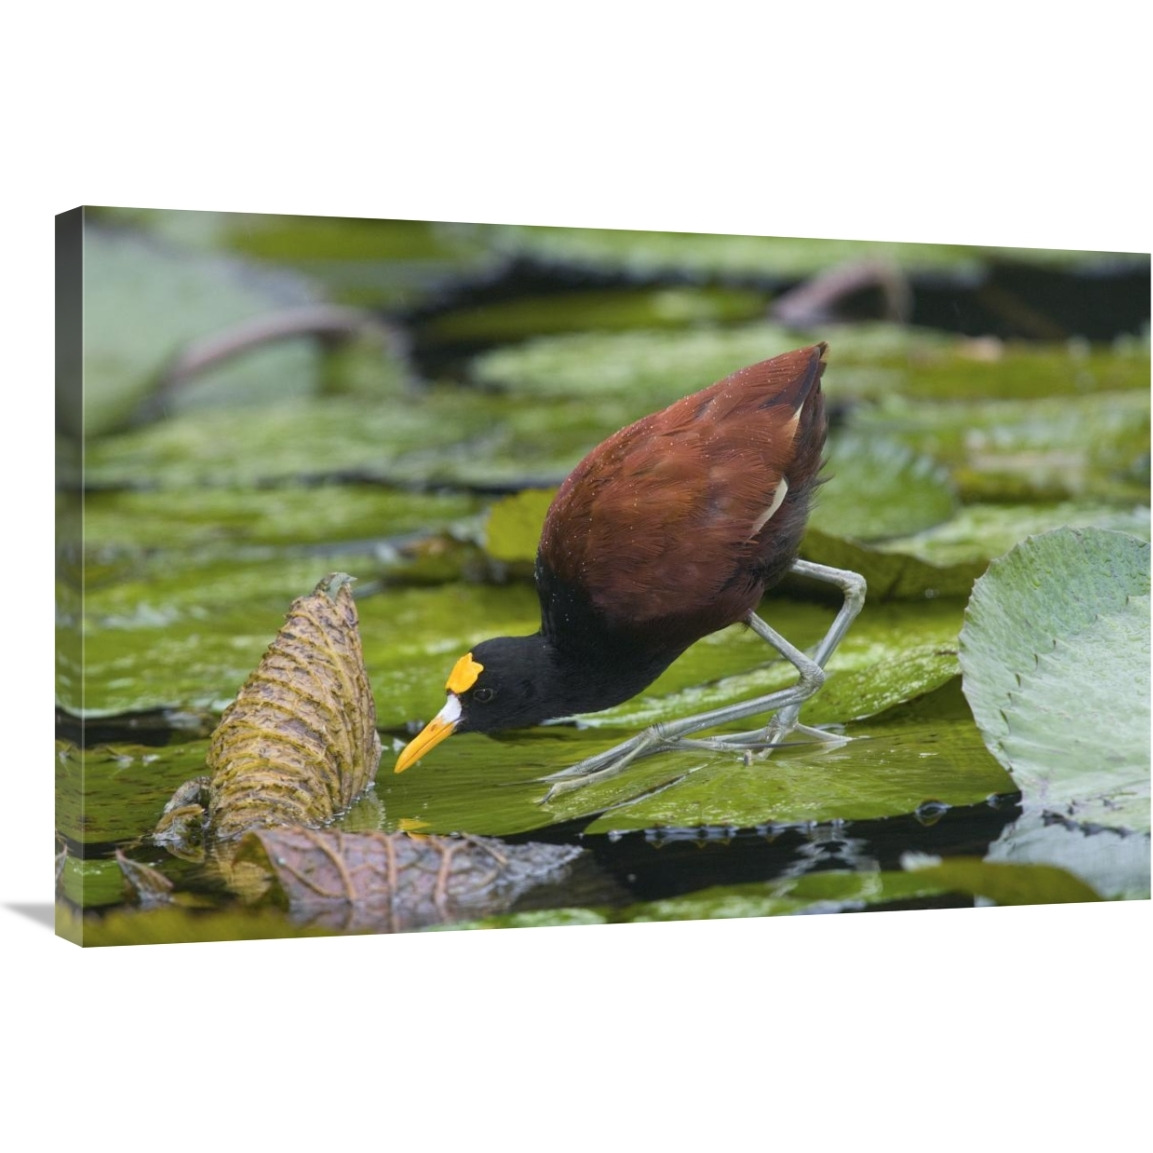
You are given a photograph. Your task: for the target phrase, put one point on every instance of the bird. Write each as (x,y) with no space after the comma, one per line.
(673,528)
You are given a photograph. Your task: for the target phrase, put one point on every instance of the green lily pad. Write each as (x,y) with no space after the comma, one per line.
(444,436)
(892,653)
(1050,448)
(606,310)
(1005,884)
(888,769)
(980,532)
(91,884)
(491,784)
(114,793)
(831,891)
(873,361)
(376,263)
(1055,655)
(164,926)
(965,369)
(649,367)
(289,515)
(703,254)
(892,573)
(945,560)
(143,302)
(513,528)
(877,488)
(171,632)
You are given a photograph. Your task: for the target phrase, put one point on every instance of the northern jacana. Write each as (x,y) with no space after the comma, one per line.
(671,529)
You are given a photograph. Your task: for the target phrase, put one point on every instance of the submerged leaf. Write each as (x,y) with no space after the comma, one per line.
(1055,658)
(299,743)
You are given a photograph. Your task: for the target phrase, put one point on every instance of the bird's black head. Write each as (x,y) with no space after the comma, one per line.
(509,688)
(504,683)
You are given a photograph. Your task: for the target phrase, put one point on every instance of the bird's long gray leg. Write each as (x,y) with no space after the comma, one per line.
(786,702)
(852,585)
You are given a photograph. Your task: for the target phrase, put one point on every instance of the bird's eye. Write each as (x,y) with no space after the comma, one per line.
(483,695)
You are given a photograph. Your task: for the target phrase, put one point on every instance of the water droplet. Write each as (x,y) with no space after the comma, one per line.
(930,812)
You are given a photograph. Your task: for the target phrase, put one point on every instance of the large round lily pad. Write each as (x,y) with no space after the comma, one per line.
(1055,660)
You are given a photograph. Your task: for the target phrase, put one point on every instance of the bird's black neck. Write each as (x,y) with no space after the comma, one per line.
(533,679)
(595,676)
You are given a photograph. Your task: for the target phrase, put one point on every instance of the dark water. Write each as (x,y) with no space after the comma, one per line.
(622,869)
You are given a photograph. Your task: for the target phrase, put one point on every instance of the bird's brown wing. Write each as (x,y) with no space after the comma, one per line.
(666,517)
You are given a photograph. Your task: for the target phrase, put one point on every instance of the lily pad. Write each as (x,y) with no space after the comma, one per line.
(1113,861)
(980,532)
(377,263)
(91,884)
(888,769)
(891,654)
(143,301)
(443,436)
(113,793)
(162,634)
(648,367)
(1052,448)
(1005,884)
(873,361)
(1055,654)
(606,310)
(225,518)
(493,786)
(513,528)
(879,488)
(165,925)
(708,255)
(945,560)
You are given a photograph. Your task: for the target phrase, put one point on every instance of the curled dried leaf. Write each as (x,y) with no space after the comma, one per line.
(146,886)
(299,743)
(376,882)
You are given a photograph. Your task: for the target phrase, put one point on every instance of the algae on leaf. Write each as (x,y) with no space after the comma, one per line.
(299,743)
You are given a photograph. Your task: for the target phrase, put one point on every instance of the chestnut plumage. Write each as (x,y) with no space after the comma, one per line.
(671,529)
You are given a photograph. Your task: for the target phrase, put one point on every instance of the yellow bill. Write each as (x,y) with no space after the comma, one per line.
(441,726)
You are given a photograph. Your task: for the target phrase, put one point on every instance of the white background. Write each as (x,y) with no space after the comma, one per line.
(1000,124)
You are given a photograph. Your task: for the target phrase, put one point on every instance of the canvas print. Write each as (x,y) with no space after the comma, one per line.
(417,575)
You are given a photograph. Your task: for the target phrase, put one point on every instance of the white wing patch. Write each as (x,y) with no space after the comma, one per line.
(790,430)
(778,500)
